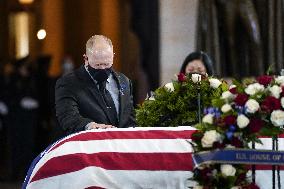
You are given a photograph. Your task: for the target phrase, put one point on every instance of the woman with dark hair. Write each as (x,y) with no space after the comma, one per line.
(197,62)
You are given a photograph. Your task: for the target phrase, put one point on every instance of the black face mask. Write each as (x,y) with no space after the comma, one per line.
(100,75)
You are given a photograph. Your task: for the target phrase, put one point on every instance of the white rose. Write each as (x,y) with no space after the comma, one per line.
(202,166)
(226,107)
(282,102)
(232,86)
(151,98)
(242,121)
(249,173)
(209,138)
(170,86)
(252,106)
(208,118)
(229,146)
(196,78)
(275,91)
(228,170)
(215,83)
(227,95)
(254,88)
(198,187)
(236,187)
(279,80)
(277,118)
(214,172)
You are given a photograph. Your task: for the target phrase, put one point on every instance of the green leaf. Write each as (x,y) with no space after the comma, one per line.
(270,131)
(218,102)
(224,86)
(269,70)
(178,107)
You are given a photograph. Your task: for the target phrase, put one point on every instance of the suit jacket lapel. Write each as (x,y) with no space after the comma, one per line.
(91,86)
(122,98)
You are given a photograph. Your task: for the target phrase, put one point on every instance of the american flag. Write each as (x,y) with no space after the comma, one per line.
(116,158)
(132,158)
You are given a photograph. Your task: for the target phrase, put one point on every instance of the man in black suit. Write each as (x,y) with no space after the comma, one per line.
(94,96)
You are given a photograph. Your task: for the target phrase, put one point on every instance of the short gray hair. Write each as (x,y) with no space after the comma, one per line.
(94,39)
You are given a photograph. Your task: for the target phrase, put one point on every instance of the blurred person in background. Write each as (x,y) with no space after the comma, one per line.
(6,87)
(68,65)
(22,118)
(45,87)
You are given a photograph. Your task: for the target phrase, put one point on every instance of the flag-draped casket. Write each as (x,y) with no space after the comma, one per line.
(123,158)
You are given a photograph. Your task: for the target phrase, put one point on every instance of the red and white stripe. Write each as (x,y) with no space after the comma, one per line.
(123,158)
(117,158)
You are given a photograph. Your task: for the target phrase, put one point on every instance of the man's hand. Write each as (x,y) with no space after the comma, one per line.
(100,126)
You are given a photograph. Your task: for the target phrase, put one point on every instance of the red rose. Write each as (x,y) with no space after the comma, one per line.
(233,90)
(220,123)
(270,103)
(196,136)
(264,80)
(203,76)
(282,93)
(206,174)
(251,186)
(206,187)
(181,77)
(230,120)
(241,178)
(255,125)
(237,142)
(218,145)
(241,99)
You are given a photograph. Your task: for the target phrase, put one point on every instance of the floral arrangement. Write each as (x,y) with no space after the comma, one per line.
(176,103)
(236,118)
